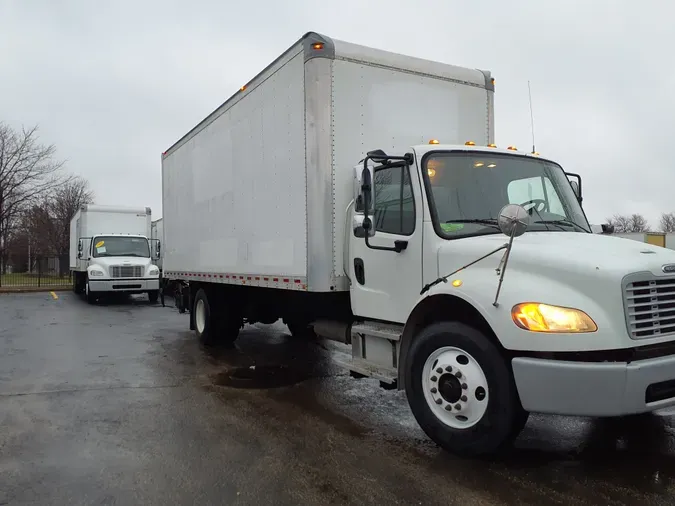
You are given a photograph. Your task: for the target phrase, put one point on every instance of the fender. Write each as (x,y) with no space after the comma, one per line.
(458,306)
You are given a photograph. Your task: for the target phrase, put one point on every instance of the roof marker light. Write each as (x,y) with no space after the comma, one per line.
(492,165)
(242,88)
(469,143)
(491,145)
(317,45)
(434,141)
(512,148)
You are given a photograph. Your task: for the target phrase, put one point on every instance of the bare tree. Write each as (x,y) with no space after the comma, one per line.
(620,222)
(667,222)
(47,224)
(64,203)
(625,223)
(638,223)
(28,171)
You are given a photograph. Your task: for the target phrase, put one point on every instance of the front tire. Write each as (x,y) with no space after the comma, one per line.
(461,390)
(88,295)
(153,296)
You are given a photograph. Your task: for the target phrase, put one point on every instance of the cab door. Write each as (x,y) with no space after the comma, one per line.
(385,284)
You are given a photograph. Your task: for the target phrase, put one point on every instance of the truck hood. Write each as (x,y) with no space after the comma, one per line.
(547,252)
(108,261)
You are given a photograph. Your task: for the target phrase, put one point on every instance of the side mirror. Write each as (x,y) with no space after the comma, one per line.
(367,188)
(79,246)
(576,185)
(159,247)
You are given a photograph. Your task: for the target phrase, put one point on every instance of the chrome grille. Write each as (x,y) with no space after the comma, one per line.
(126,271)
(650,306)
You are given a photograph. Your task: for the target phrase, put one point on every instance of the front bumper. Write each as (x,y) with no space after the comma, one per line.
(124,285)
(595,388)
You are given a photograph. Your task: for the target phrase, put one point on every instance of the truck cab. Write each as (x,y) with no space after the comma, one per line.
(118,263)
(482,328)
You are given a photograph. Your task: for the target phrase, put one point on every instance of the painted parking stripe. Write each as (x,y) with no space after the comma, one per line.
(54,296)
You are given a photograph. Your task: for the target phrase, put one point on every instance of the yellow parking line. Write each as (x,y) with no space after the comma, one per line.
(54,296)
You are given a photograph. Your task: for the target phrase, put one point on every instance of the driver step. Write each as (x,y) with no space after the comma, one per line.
(362,368)
(376,329)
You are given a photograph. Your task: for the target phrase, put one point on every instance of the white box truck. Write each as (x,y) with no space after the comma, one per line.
(357,195)
(110,252)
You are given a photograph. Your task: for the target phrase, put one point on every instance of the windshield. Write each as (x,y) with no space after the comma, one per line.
(467,190)
(116,246)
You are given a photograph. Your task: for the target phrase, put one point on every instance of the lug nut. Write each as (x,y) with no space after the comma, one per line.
(433,390)
(438,401)
(463,398)
(434,378)
(464,386)
(458,374)
(449,368)
(448,408)
(439,370)
(458,407)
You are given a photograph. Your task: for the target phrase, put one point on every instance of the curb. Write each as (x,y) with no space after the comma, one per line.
(33,289)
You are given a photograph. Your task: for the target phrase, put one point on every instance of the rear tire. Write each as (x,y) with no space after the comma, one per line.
(213,328)
(461,390)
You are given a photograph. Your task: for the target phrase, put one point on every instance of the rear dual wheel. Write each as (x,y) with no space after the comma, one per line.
(461,390)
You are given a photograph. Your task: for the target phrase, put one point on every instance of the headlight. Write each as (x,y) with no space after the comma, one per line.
(537,317)
(153,271)
(95,273)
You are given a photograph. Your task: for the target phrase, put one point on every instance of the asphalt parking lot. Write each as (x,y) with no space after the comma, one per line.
(118,404)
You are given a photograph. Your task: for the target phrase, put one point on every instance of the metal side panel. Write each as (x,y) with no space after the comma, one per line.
(319,168)
(234,192)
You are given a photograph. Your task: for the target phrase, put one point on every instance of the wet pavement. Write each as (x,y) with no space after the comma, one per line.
(118,404)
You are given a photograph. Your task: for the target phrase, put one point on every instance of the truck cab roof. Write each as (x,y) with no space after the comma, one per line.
(422,149)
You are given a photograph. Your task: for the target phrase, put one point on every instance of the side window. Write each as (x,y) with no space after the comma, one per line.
(531,188)
(394,205)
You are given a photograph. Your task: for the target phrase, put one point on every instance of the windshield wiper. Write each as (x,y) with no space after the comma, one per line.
(485,221)
(562,223)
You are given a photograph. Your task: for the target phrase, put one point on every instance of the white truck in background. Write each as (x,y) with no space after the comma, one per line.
(110,252)
(357,195)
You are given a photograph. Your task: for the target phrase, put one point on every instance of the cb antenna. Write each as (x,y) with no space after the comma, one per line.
(529,93)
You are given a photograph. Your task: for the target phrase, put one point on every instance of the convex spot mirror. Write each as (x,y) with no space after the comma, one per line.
(513,220)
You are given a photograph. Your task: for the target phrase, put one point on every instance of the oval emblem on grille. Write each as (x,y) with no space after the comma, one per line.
(668,268)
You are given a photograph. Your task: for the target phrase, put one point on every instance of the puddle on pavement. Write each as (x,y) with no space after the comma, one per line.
(259,377)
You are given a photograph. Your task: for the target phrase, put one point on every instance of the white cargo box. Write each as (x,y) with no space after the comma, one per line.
(256,193)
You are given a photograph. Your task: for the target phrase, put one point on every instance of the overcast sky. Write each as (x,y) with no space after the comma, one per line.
(113,84)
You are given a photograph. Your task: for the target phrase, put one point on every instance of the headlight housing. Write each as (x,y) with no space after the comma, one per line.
(96,273)
(538,317)
(153,271)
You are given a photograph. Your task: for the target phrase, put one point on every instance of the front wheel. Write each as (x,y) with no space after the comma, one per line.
(91,298)
(153,296)
(461,390)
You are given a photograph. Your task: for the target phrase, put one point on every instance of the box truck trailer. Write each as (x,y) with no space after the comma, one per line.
(358,195)
(110,252)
